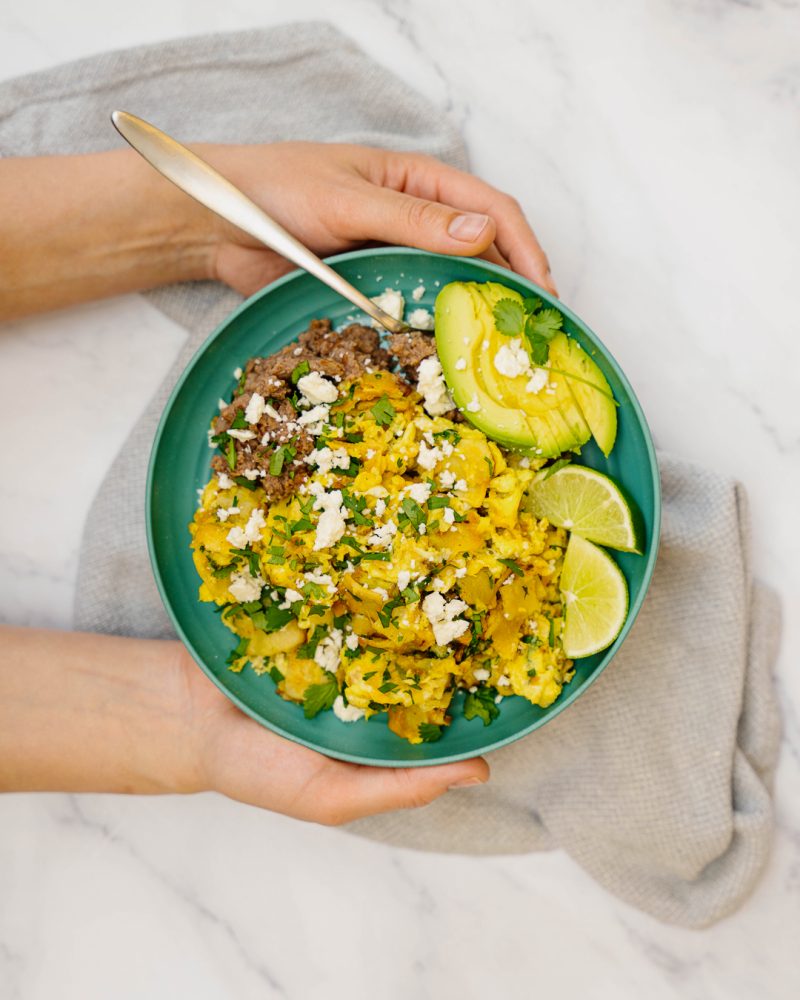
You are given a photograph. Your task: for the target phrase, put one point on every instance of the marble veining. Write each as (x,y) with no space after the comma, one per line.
(655,148)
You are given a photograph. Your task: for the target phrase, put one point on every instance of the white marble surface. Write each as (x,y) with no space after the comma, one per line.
(655,146)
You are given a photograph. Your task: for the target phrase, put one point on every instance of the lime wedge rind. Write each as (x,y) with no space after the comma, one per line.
(595,596)
(590,504)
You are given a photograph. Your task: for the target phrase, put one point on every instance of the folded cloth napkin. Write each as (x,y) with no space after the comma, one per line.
(658,779)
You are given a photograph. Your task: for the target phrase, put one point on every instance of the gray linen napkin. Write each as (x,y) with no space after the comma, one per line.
(658,779)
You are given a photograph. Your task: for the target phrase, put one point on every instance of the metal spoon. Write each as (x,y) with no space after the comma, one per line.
(198,179)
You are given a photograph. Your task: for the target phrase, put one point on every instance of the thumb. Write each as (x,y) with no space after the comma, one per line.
(355,791)
(393,217)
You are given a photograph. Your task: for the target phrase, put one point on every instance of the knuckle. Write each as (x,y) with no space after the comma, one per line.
(420,214)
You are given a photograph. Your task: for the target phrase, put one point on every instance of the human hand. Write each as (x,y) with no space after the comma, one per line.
(96,713)
(335,197)
(241,759)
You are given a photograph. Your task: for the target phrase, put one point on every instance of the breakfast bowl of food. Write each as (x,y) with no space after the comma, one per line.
(410,548)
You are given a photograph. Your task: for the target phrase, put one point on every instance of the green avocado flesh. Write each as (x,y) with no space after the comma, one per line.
(548,422)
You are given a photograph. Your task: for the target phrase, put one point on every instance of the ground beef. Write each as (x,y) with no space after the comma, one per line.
(409,349)
(339,356)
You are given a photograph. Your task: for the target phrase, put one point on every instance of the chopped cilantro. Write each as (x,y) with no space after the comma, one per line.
(239,423)
(429,732)
(436,502)
(320,697)
(230,454)
(385,613)
(248,484)
(387,687)
(367,676)
(309,647)
(279,457)
(302,369)
(383,411)
(515,567)
(238,652)
(413,512)
(302,525)
(551,635)
(480,704)
(275,674)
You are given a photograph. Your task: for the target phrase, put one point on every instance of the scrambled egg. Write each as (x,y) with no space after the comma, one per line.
(401,570)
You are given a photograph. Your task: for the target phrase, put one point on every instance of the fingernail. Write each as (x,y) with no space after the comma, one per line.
(467,228)
(466,783)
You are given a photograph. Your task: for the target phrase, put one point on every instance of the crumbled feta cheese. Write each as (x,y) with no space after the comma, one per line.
(328,652)
(380,507)
(441,614)
(460,485)
(315,419)
(241,435)
(524,462)
(346,713)
(331,525)
(403,579)
(224,481)
(392,302)
(326,459)
(461,364)
(290,597)
(255,408)
(237,537)
(428,457)
(419,491)
(431,386)
(253,474)
(473,406)
(461,571)
(383,534)
(485,345)
(449,515)
(418,292)
(537,381)
(420,319)
(221,404)
(481,674)
(237,373)
(255,523)
(351,641)
(270,411)
(244,586)
(317,389)
(447,478)
(370,453)
(504,681)
(512,359)
(382,592)
(422,529)
(224,514)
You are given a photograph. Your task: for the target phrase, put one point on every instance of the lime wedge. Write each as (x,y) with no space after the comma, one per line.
(595,597)
(588,504)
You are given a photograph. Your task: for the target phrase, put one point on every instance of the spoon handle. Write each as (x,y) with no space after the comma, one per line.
(198,179)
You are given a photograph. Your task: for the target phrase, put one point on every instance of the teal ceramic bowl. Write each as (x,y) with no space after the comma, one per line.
(180,464)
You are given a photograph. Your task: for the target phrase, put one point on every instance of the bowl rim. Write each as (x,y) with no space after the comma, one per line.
(562,702)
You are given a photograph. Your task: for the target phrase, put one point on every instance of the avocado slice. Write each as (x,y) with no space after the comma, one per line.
(589,388)
(467,341)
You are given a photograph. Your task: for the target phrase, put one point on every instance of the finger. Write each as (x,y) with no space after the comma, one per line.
(370,212)
(493,255)
(426,177)
(351,792)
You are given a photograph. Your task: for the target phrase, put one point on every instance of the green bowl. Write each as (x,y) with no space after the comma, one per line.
(180,464)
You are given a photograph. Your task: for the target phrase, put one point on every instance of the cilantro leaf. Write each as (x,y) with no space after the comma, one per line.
(320,697)
(302,369)
(429,732)
(275,674)
(515,567)
(413,511)
(509,317)
(383,411)
(248,484)
(480,704)
(239,423)
(544,324)
(279,457)
(531,305)
(230,454)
